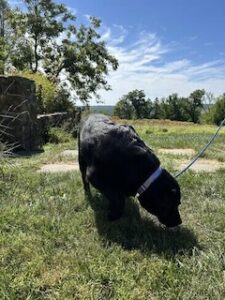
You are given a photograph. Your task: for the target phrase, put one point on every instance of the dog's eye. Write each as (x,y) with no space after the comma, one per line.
(174,191)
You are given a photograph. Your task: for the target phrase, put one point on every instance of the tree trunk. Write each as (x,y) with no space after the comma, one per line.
(35,55)
(2,39)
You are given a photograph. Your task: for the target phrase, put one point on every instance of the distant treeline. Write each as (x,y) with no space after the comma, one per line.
(198,107)
(103,109)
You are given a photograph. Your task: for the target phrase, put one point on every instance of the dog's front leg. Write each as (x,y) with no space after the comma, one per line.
(116,205)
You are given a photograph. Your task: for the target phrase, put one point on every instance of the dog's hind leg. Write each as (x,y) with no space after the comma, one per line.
(83,170)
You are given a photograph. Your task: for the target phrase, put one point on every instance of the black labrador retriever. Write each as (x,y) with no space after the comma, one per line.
(117,162)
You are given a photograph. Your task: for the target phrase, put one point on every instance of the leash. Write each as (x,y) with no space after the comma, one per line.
(202,151)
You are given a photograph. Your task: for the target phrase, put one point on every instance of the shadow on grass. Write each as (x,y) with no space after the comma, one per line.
(134,231)
(26,153)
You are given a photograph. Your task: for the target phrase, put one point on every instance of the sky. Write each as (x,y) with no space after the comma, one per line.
(163,46)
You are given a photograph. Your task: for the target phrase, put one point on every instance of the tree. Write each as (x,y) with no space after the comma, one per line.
(4,10)
(195,105)
(137,99)
(48,40)
(51,98)
(136,103)
(124,109)
(216,114)
(173,105)
(156,111)
(208,101)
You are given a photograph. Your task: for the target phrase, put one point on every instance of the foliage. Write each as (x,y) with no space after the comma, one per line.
(47,39)
(58,135)
(140,104)
(174,108)
(124,109)
(216,113)
(51,97)
(133,105)
(4,35)
(195,104)
(61,102)
(156,111)
(45,90)
(181,108)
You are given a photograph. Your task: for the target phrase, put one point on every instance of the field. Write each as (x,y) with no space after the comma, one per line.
(54,244)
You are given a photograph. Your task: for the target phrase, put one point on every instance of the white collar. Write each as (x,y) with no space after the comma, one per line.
(149,181)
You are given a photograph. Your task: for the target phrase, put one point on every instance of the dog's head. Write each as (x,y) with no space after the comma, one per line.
(162,199)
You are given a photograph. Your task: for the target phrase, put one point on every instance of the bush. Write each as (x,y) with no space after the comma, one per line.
(51,98)
(58,135)
(124,109)
(45,90)
(217,112)
(133,106)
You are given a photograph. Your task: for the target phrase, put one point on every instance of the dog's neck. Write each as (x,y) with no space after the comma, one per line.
(144,169)
(153,177)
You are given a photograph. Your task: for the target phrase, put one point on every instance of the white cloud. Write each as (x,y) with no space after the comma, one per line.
(144,65)
(114,36)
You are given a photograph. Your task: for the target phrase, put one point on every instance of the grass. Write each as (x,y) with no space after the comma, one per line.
(54,244)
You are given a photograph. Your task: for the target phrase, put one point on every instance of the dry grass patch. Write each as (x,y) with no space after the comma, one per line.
(59,168)
(175,151)
(203,165)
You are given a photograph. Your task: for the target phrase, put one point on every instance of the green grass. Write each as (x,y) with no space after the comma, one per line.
(54,244)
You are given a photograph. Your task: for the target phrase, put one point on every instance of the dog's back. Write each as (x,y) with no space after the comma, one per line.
(94,125)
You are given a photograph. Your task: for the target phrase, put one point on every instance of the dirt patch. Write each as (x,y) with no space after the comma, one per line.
(59,168)
(203,165)
(69,153)
(175,151)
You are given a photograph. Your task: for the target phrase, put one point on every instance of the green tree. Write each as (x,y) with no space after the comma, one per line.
(137,99)
(156,110)
(51,97)
(173,111)
(4,44)
(48,40)
(181,108)
(217,112)
(124,109)
(175,108)
(194,105)
(140,106)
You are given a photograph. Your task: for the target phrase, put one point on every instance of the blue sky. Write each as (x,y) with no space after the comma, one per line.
(163,46)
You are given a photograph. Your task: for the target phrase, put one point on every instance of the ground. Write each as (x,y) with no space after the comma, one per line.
(57,245)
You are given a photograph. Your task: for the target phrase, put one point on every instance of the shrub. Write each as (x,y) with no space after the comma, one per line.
(51,98)
(124,109)
(58,135)
(217,112)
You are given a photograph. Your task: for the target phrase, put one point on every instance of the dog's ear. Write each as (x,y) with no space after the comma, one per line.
(142,155)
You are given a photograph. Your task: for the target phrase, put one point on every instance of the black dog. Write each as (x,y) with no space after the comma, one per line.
(117,162)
